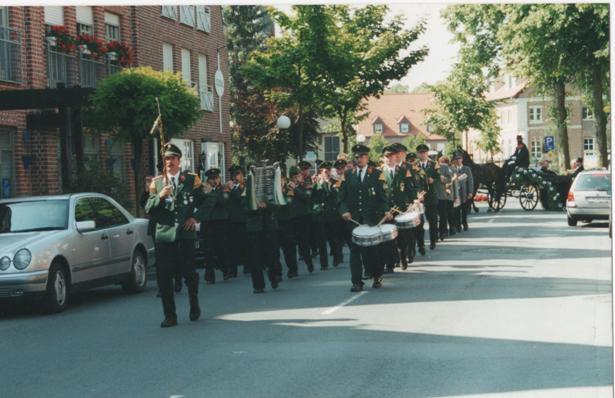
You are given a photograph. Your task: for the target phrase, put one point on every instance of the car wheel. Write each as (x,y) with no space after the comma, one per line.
(137,280)
(572,222)
(58,287)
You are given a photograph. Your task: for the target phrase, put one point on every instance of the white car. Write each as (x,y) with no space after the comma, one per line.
(51,246)
(589,197)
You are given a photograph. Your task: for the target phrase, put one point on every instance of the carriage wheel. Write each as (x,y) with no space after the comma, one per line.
(497,204)
(528,197)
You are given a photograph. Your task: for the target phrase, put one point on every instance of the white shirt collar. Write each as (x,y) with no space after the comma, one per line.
(176,176)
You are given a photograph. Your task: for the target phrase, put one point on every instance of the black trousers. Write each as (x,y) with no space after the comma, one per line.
(262,249)
(236,233)
(461,214)
(334,237)
(288,242)
(445,216)
(431,216)
(374,265)
(302,227)
(216,239)
(171,257)
(404,241)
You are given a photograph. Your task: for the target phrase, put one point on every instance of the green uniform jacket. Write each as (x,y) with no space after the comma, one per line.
(301,204)
(431,198)
(216,205)
(399,188)
(324,201)
(261,220)
(236,204)
(366,200)
(170,215)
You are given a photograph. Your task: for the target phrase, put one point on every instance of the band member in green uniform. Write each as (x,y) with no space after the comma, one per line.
(236,218)
(363,200)
(428,170)
(325,216)
(176,201)
(288,232)
(301,209)
(215,226)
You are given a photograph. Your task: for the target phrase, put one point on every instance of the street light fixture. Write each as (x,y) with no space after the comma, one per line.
(283,122)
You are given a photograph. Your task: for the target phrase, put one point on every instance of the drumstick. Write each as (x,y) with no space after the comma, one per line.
(354,221)
(385,217)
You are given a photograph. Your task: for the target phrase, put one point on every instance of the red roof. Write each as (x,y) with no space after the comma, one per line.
(391,109)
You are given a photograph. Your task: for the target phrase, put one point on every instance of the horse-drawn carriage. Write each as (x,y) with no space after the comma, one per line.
(529,186)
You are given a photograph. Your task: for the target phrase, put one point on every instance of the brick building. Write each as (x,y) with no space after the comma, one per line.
(186,39)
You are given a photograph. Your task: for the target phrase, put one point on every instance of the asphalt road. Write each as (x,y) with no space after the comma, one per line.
(519,306)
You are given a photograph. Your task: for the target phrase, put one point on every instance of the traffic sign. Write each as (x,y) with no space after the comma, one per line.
(549,144)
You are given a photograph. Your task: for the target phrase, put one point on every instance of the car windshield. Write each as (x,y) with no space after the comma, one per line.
(28,216)
(593,182)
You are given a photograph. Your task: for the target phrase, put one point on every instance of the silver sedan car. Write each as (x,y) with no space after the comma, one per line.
(51,246)
(589,197)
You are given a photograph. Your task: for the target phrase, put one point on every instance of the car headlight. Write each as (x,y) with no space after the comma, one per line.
(5,263)
(22,258)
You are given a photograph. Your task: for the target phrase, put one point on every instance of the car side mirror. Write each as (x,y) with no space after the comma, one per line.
(85,226)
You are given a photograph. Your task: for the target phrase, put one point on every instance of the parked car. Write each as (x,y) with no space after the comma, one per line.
(589,197)
(51,246)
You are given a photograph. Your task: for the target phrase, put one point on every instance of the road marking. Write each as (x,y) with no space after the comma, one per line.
(492,219)
(342,304)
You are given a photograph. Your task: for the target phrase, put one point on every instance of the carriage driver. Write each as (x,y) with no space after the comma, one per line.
(521,158)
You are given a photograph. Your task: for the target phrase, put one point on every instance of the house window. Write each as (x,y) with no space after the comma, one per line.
(7,171)
(440,147)
(588,114)
(536,148)
(187,15)
(588,144)
(205,92)
(212,155)
(378,128)
(167,57)
(203,18)
(332,147)
(428,128)
(187,148)
(116,160)
(4,17)
(186,66)
(112,27)
(169,12)
(54,15)
(404,127)
(85,20)
(535,114)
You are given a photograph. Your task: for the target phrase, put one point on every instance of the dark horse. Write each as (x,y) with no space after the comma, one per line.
(490,176)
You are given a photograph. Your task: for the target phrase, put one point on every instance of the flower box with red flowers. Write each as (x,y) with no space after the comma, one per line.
(58,36)
(89,44)
(122,52)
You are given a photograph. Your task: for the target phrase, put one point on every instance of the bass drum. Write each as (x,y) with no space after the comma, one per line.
(366,236)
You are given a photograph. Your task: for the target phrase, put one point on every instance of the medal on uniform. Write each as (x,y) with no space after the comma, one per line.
(401,187)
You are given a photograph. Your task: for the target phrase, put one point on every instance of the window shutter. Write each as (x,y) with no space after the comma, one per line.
(54,15)
(167,57)
(186,66)
(112,19)
(84,15)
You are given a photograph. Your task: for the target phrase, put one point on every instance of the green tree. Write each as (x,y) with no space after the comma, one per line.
(376,145)
(124,105)
(397,88)
(412,141)
(590,44)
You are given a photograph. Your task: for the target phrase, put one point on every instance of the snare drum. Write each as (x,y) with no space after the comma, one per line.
(408,220)
(366,236)
(388,232)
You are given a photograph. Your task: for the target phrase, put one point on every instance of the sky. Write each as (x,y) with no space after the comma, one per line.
(438,63)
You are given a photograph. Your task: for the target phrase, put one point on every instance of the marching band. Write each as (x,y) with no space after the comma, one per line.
(378,212)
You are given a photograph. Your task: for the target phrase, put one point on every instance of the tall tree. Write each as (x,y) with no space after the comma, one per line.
(590,44)
(124,105)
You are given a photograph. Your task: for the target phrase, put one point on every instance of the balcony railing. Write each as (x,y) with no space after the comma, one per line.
(207,98)
(91,71)
(10,55)
(61,68)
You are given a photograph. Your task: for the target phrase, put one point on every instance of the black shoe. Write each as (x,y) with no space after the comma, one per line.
(366,276)
(292,274)
(195,313)
(459,229)
(465,227)
(178,285)
(377,283)
(258,291)
(274,283)
(432,245)
(410,259)
(422,250)
(310,268)
(168,322)
(404,266)
(356,288)
(226,276)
